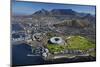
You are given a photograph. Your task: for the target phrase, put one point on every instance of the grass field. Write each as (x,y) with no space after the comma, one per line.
(55,48)
(80,43)
(73,43)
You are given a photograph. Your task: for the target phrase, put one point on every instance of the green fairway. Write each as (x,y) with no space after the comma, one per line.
(79,43)
(55,48)
(73,43)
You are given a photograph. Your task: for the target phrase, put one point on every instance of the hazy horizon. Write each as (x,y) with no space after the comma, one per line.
(28,8)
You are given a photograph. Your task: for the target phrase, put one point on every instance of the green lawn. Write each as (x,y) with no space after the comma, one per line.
(81,43)
(73,43)
(55,48)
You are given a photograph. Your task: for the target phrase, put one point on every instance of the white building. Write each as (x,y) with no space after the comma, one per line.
(57,40)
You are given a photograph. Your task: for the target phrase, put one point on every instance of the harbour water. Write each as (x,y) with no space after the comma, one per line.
(20,55)
(16,27)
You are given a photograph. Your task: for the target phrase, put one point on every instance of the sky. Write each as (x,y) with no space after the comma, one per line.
(28,8)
